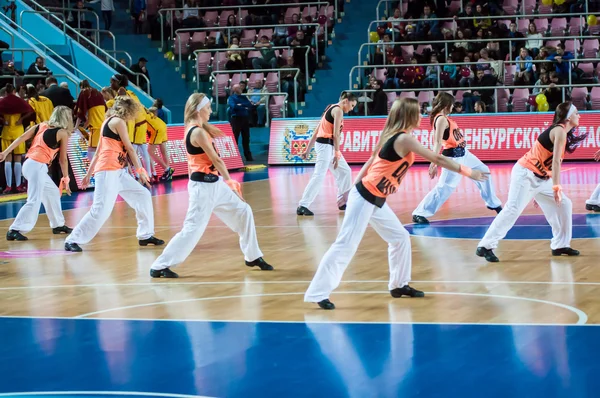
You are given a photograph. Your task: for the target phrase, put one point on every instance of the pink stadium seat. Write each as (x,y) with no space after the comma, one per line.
(590,48)
(272,82)
(391,97)
(510,7)
(237,78)
(248,38)
(544,9)
(199,37)
(421,48)
(451,25)
(254,54)
(551,43)
(254,77)
(576,25)
(180,45)
(220,84)
(219,60)
(211,18)
(573,46)
(276,105)
(265,32)
(425,96)
(202,63)
(519,99)
(381,74)
(460,95)
(509,74)
(224,17)
(523,25)
(454,7)
(587,68)
(502,95)
(243,15)
(579,97)
(595,98)
(289,12)
(309,11)
(558,26)
(529,6)
(594,30)
(407,52)
(408,94)
(541,24)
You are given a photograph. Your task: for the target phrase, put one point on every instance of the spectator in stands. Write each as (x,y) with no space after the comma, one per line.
(480,107)
(514,45)
(534,40)
(378,105)
(554,94)
(107,7)
(485,95)
(234,59)
(280,34)
(58,95)
(140,68)
(77,19)
(384,51)
(466,74)
(239,107)
(414,9)
(524,72)
(232,22)
(413,75)
(481,22)
(395,22)
(287,80)
(457,108)
(541,84)
(460,47)
(138,13)
(466,13)
(428,29)
(269,58)
(300,55)
(11,75)
(483,63)
(293,30)
(191,16)
(432,73)
(449,74)
(561,63)
(38,68)
(160,112)
(259,101)
(441,8)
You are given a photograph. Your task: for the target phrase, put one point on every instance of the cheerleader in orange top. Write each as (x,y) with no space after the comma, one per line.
(13,110)
(537,176)
(91,111)
(208,194)
(49,138)
(112,180)
(448,135)
(379,178)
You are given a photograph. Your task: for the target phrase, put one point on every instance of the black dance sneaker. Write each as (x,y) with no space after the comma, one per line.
(592,207)
(153,240)
(487,253)
(262,264)
(73,247)
(326,304)
(496,209)
(303,211)
(342,208)
(15,235)
(163,273)
(420,220)
(565,250)
(406,291)
(62,230)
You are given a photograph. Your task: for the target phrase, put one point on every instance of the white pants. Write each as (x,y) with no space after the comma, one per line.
(524,186)
(204,199)
(41,190)
(595,198)
(342,175)
(448,182)
(360,213)
(109,185)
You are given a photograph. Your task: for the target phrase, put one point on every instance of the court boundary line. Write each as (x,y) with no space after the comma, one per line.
(582,316)
(157,283)
(130,393)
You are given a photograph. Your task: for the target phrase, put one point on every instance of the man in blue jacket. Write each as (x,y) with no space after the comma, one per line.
(239,109)
(561,62)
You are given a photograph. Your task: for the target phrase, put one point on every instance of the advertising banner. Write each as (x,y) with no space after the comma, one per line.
(226,146)
(491,137)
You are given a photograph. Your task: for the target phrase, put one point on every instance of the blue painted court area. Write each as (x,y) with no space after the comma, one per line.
(297,359)
(531,227)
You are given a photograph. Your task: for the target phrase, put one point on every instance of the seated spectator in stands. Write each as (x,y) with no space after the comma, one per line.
(441,8)
(235,61)
(11,75)
(460,47)
(38,68)
(480,107)
(478,44)
(58,95)
(457,108)
(514,45)
(428,29)
(449,74)
(160,112)
(384,52)
(259,101)
(541,84)
(78,20)
(481,22)
(293,30)
(300,55)
(524,72)
(554,94)
(280,33)
(287,80)
(561,63)
(232,22)
(534,40)
(258,15)
(414,9)
(466,23)
(394,23)
(378,105)
(483,63)
(466,74)
(140,68)
(577,7)
(432,73)
(485,95)
(269,58)
(493,47)
(191,16)
(412,76)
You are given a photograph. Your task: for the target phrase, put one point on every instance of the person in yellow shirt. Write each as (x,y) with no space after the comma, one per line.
(90,110)
(42,106)
(158,139)
(13,110)
(137,128)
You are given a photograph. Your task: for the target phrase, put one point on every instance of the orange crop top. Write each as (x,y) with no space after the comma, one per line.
(201,167)
(452,137)
(44,145)
(385,173)
(540,157)
(111,152)
(325,131)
